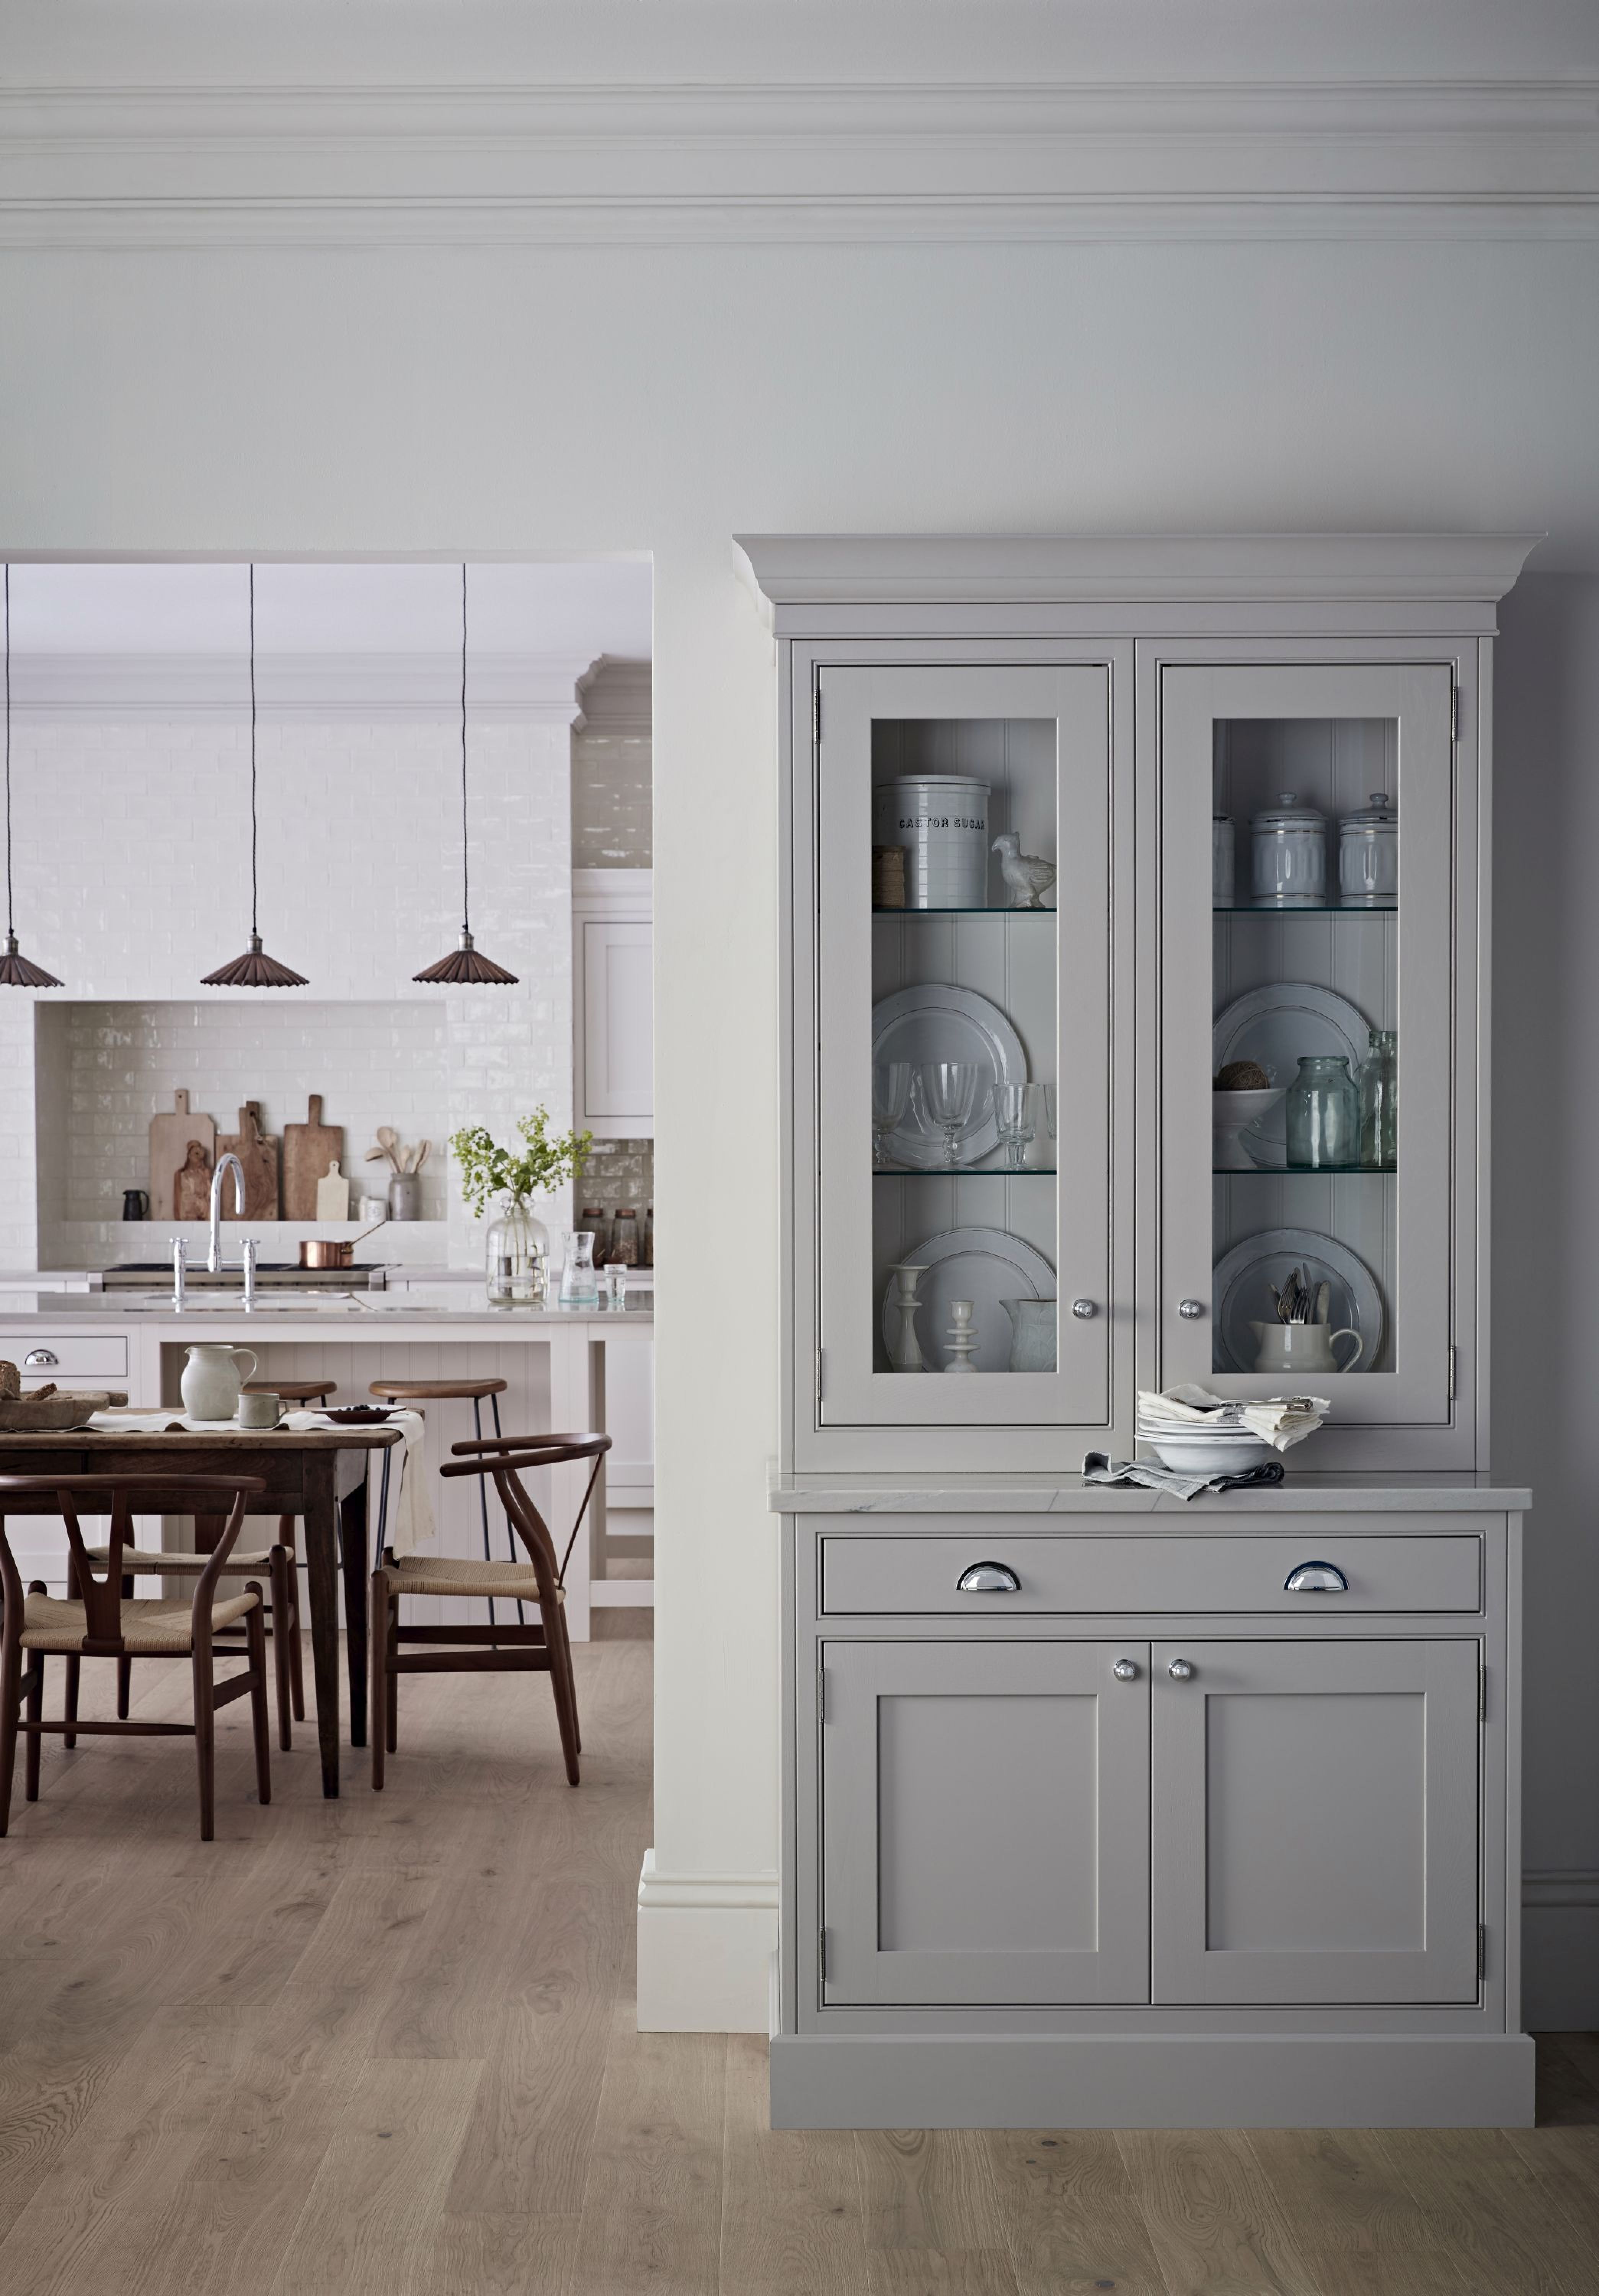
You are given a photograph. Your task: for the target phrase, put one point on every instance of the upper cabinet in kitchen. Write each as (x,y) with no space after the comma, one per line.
(1134,997)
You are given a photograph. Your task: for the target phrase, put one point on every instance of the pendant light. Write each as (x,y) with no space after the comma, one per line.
(16,970)
(254,969)
(464,963)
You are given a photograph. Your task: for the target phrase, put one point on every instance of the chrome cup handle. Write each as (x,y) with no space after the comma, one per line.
(988,1579)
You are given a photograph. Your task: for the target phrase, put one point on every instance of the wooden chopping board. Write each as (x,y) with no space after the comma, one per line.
(257,1151)
(308,1149)
(169,1138)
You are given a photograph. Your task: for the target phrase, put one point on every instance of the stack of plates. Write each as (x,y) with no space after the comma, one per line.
(1219,1444)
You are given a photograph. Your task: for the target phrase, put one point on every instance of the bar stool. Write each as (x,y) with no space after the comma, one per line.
(475,1391)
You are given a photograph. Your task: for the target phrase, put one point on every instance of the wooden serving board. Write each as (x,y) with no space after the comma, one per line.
(257,1151)
(308,1149)
(169,1138)
(65,1407)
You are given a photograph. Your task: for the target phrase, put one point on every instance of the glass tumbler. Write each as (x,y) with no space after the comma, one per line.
(1322,1109)
(1379,1103)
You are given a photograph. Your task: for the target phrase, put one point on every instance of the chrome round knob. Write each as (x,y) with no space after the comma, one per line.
(1181,1669)
(1191,1310)
(1085,1309)
(1125,1670)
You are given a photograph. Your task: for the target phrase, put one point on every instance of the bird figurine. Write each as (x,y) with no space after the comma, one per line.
(1024,873)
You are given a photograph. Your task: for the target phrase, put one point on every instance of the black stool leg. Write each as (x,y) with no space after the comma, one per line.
(476,1421)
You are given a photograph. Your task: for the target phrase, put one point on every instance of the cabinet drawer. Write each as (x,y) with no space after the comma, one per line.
(81,1355)
(1438,1571)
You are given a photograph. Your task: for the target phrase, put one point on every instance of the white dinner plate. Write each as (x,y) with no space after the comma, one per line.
(1278,1026)
(933,1021)
(983,1265)
(1240,1276)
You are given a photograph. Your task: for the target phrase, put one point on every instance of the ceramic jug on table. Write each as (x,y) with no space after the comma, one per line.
(212,1380)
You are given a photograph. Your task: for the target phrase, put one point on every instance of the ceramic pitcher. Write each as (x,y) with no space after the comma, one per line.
(1303,1348)
(1032,1334)
(212,1379)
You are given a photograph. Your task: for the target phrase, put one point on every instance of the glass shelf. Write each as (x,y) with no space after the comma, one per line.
(1297,1172)
(1270,909)
(964,1172)
(985,912)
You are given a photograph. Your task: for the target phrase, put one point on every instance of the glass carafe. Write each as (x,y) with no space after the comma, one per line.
(580,1286)
(1379,1103)
(1322,1109)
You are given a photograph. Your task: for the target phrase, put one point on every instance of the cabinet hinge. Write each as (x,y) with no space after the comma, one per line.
(1453,713)
(822,1953)
(1482,1949)
(816,711)
(821,1693)
(1482,1694)
(819,1379)
(1451,1356)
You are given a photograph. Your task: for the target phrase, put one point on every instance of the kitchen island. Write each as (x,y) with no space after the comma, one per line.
(552,1359)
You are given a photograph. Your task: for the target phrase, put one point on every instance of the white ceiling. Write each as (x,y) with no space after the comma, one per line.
(588,608)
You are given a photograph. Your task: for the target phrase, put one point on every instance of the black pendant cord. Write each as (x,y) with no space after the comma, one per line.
(255,968)
(465,907)
(255,925)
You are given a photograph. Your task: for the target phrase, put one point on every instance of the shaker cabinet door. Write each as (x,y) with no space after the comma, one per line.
(985,1823)
(1315,1822)
(967,901)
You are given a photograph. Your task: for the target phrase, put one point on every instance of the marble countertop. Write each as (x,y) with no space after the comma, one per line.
(348,1313)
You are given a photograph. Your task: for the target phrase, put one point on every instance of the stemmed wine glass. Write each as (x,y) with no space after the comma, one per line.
(946,1098)
(1048,1091)
(1016,1114)
(890,1096)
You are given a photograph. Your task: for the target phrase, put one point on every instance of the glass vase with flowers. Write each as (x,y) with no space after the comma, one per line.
(517,1244)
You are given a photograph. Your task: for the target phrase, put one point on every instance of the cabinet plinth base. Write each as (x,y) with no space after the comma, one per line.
(1287,2080)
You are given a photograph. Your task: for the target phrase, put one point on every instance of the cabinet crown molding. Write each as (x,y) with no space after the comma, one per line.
(819,570)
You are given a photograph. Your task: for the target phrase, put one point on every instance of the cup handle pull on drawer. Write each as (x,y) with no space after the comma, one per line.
(40,1359)
(1315,1579)
(988,1579)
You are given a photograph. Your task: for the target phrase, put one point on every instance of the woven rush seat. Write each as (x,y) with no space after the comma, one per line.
(142,1561)
(452,1574)
(151,1629)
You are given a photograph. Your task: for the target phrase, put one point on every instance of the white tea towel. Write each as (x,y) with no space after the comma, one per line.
(1279,1420)
(410,1505)
(1179,1483)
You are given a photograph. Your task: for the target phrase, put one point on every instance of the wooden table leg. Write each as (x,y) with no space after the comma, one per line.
(321,1577)
(352,1547)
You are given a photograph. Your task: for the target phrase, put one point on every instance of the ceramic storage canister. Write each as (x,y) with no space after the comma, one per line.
(942,822)
(1288,851)
(1221,861)
(1368,855)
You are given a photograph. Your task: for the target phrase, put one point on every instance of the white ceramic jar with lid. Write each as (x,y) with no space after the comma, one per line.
(1288,847)
(942,822)
(1221,862)
(1368,855)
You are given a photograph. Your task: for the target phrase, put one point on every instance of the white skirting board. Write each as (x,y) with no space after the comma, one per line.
(705,1947)
(1289,2081)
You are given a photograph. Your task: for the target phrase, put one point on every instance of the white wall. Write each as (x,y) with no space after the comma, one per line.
(481,385)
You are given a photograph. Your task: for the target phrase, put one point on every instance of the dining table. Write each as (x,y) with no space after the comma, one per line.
(299,1468)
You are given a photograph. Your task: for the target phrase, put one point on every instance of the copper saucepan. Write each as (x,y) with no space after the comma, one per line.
(322,1251)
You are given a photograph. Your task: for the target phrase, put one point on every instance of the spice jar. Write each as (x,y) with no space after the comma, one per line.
(624,1238)
(592,1218)
(1368,855)
(647,1249)
(1288,847)
(1221,862)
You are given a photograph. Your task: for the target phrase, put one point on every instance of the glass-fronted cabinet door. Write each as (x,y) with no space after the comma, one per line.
(1307,922)
(965,888)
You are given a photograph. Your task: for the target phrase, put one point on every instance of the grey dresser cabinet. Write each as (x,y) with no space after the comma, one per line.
(1100,1809)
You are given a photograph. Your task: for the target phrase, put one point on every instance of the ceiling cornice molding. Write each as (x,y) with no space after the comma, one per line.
(617,699)
(250,165)
(374,688)
(799,572)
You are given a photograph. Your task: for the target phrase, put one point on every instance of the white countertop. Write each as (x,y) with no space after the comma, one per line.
(1304,1492)
(446,1305)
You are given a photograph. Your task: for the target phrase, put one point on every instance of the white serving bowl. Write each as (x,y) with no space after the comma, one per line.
(1212,1454)
(1231,1113)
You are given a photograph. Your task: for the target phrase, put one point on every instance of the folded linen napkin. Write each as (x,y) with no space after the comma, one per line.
(1181,1483)
(1280,1420)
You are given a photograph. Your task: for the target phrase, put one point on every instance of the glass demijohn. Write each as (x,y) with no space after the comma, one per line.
(1323,1114)
(517,1249)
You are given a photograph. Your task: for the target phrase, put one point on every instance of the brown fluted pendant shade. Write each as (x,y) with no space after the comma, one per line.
(255,970)
(18,971)
(463,963)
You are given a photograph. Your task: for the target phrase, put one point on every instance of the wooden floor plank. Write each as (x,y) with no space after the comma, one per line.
(792,2219)
(942,2272)
(1074,2224)
(652,2212)
(369,2221)
(1490,2213)
(503,2255)
(1213,2222)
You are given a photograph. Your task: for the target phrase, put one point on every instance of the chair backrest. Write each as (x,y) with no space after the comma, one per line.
(102,1598)
(507,1457)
